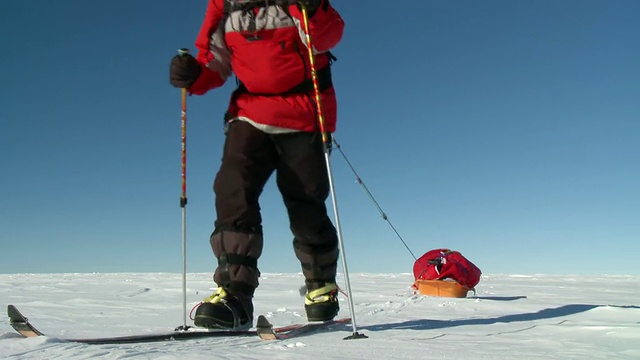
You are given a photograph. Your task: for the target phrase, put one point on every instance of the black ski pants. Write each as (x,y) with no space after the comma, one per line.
(250,157)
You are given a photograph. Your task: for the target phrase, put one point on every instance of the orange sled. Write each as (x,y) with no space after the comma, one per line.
(442,288)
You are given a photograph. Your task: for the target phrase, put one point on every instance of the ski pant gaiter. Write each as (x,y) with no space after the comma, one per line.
(249,158)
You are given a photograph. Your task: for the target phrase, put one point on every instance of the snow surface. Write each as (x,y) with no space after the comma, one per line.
(512,317)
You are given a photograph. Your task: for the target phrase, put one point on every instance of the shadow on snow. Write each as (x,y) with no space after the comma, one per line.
(426,324)
(498,298)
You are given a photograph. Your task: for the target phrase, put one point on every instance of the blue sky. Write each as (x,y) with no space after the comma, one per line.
(507,130)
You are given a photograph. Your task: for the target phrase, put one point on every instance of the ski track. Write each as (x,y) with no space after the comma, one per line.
(512,316)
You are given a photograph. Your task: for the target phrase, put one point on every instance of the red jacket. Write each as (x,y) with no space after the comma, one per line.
(266,49)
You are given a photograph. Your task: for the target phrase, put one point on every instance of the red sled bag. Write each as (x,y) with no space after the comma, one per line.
(449,266)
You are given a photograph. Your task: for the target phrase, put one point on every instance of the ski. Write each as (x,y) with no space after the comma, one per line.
(266,331)
(22,325)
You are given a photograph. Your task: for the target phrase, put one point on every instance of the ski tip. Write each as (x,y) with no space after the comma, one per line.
(14,314)
(264,329)
(263,323)
(20,323)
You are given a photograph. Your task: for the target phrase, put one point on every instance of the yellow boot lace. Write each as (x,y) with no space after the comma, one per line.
(320,295)
(216,297)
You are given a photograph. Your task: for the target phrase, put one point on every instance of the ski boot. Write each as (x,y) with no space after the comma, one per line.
(321,301)
(223,310)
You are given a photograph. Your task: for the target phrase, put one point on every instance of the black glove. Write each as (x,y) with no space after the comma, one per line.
(313,5)
(184,71)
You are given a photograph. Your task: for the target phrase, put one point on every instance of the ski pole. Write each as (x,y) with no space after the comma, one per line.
(183,197)
(327,147)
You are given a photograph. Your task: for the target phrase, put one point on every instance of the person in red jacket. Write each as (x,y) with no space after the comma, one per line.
(271,126)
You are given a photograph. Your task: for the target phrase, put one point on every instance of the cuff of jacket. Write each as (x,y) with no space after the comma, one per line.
(207,80)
